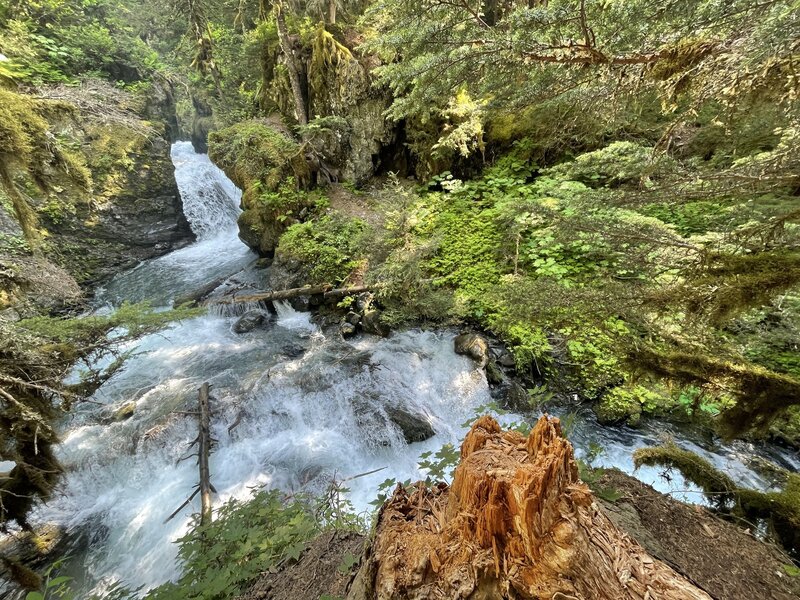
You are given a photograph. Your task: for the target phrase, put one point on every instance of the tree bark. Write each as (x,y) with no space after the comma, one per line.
(203,450)
(516,523)
(291,65)
(332,12)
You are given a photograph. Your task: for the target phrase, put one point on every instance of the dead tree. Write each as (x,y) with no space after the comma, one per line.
(327,291)
(517,523)
(204,442)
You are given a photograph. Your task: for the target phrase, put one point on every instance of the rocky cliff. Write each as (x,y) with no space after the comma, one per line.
(87,187)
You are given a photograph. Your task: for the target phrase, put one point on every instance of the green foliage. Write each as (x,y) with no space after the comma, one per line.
(244,539)
(329,248)
(50,41)
(617,164)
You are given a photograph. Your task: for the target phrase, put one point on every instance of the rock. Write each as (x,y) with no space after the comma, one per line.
(264,263)
(347,329)
(506,359)
(363,301)
(250,320)
(371,323)
(474,346)
(124,412)
(517,397)
(353,318)
(415,427)
(293,350)
(301,303)
(494,375)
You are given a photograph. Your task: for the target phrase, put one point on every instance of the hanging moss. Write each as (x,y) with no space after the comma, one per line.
(730,284)
(782,507)
(327,57)
(693,467)
(760,394)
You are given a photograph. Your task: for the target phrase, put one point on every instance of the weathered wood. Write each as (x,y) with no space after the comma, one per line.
(516,523)
(310,290)
(204,449)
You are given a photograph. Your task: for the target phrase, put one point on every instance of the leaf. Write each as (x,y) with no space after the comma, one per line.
(34,596)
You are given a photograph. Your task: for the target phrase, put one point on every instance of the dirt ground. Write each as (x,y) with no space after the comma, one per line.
(325,569)
(716,555)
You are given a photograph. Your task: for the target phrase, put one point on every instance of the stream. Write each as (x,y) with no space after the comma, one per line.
(311,407)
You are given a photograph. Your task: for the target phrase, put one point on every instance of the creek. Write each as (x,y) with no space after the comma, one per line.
(310,407)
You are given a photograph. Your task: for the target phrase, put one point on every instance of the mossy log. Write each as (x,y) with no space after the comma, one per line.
(516,523)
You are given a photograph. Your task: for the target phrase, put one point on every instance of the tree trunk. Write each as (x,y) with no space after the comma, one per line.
(332,12)
(203,450)
(517,522)
(291,66)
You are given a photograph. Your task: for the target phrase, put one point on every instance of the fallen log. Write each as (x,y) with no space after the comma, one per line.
(196,296)
(310,290)
(517,523)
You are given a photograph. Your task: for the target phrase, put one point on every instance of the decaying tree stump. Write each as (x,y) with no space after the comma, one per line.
(517,522)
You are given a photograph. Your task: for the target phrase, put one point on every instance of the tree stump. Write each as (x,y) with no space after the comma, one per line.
(516,523)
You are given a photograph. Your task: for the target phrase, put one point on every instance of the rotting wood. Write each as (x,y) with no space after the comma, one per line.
(327,291)
(517,522)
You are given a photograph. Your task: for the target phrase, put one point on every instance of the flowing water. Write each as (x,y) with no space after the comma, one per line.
(310,407)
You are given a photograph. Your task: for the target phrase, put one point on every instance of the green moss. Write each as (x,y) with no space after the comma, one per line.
(22,128)
(628,403)
(329,249)
(782,507)
(693,467)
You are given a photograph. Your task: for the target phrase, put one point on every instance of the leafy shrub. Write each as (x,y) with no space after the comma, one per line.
(328,248)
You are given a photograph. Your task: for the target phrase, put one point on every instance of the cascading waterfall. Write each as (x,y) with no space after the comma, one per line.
(310,407)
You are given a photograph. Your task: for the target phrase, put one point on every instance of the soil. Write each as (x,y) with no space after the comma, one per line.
(325,569)
(716,555)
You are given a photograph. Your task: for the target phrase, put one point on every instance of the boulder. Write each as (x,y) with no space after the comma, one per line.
(353,318)
(474,346)
(347,329)
(371,323)
(517,397)
(494,374)
(250,320)
(415,427)
(124,412)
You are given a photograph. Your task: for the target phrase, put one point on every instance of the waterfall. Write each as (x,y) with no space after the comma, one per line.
(310,406)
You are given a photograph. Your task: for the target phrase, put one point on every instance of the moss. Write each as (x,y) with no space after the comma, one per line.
(693,467)
(760,394)
(782,507)
(22,128)
(329,249)
(271,170)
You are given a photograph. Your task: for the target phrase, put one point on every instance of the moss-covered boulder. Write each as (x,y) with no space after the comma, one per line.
(262,159)
(340,85)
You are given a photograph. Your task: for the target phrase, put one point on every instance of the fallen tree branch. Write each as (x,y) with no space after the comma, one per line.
(327,291)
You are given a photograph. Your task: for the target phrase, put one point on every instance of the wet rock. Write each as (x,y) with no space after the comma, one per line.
(517,397)
(124,412)
(494,374)
(250,320)
(293,350)
(301,303)
(316,300)
(263,263)
(371,323)
(474,346)
(506,359)
(347,329)
(353,318)
(415,427)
